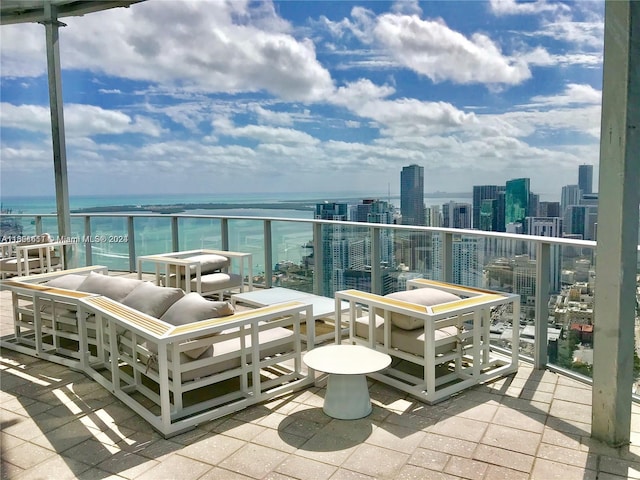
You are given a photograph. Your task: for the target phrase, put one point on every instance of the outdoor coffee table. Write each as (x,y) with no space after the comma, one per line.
(347,395)
(322,307)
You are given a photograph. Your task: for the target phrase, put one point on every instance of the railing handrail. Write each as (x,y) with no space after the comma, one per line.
(455,231)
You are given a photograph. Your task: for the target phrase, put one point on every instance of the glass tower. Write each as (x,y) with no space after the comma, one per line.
(585,178)
(412,195)
(516,200)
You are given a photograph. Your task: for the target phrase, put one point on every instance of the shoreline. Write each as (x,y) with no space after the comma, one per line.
(182,207)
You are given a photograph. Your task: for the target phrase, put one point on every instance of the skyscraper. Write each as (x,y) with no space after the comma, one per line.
(412,195)
(585,178)
(481,193)
(570,196)
(456,215)
(516,200)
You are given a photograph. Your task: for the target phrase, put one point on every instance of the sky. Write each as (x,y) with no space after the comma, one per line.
(233,97)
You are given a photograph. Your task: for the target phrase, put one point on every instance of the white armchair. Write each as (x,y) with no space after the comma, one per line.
(437,334)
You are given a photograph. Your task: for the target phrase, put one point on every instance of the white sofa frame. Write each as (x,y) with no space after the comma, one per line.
(29,264)
(153,384)
(467,359)
(167,265)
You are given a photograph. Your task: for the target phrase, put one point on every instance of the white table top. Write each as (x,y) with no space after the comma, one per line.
(346,359)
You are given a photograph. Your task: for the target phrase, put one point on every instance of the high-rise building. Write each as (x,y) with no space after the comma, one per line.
(433,216)
(488,215)
(516,200)
(570,196)
(412,195)
(585,178)
(549,209)
(481,193)
(466,266)
(576,220)
(456,215)
(331,211)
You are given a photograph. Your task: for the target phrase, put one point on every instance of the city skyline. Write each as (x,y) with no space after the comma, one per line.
(261,96)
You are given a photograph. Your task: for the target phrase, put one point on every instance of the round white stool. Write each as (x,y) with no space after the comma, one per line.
(347,395)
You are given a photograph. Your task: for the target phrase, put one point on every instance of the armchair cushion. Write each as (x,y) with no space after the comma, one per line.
(420,296)
(116,288)
(209,263)
(151,299)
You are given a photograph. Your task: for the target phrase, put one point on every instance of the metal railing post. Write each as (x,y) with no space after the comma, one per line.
(175,238)
(268,255)
(88,252)
(543,272)
(224,233)
(447,257)
(132,244)
(376,270)
(318,259)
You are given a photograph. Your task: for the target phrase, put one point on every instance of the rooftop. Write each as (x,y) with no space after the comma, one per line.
(57,423)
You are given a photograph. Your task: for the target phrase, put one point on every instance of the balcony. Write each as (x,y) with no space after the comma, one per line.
(534,424)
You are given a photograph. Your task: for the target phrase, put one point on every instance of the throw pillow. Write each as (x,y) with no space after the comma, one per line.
(419,296)
(151,299)
(116,288)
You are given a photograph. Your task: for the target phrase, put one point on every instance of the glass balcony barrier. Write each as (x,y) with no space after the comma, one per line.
(554,277)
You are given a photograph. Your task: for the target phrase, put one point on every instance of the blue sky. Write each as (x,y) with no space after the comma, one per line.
(229,97)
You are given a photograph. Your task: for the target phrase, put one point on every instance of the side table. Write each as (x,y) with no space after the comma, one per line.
(347,395)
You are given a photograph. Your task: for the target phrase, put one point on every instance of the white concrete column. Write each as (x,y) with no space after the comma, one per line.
(616,251)
(57,120)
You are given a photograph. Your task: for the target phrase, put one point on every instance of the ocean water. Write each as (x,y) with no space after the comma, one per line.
(47,203)
(109,240)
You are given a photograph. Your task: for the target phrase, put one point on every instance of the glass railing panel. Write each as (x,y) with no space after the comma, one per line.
(199,233)
(508,265)
(109,241)
(292,253)
(247,236)
(414,254)
(571,311)
(346,258)
(152,236)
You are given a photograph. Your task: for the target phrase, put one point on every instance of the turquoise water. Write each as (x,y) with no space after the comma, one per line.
(109,242)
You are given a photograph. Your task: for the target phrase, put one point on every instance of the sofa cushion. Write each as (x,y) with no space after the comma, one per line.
(151,299)
(71,281)
(419,296)
(193,308)
(116,288)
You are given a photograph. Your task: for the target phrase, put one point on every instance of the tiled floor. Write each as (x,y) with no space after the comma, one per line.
(58,424)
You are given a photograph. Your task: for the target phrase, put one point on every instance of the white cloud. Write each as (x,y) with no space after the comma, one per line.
(263,133)
(586,34)
(433,49)
(80,120)
(22,50)
(272,117)
(221,46)
(368,100)
(511,7)
(573,94)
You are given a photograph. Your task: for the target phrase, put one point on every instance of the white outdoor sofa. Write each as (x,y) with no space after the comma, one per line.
(436,333)
(191,360)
